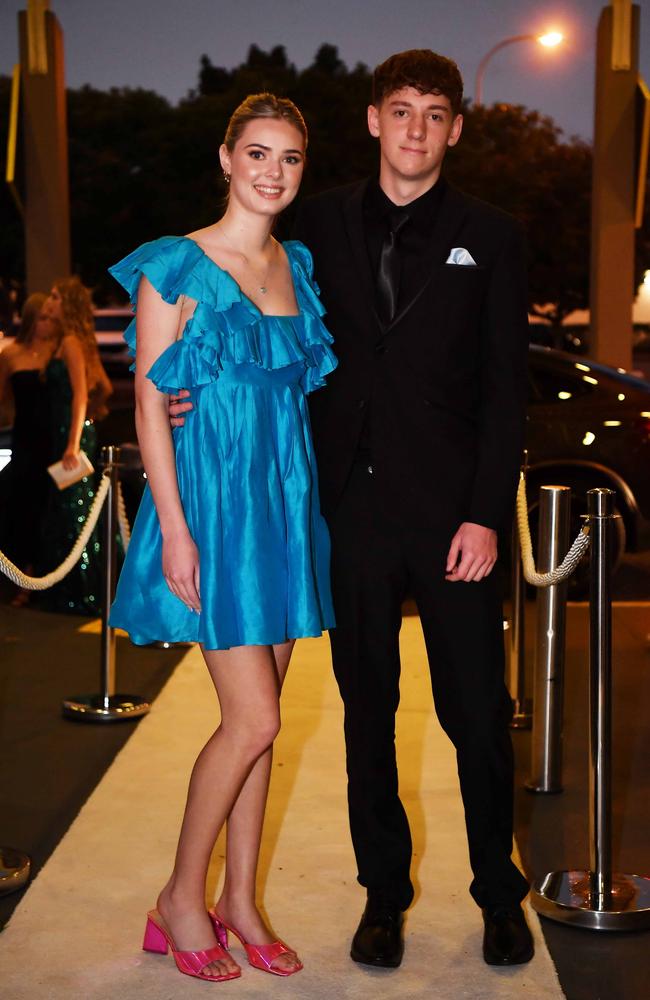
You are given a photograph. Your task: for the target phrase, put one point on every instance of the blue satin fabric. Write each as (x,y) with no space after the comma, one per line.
(244,459)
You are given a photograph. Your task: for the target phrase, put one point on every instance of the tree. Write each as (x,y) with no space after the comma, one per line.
(140,167)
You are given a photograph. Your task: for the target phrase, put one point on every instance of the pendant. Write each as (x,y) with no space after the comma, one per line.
(263,289)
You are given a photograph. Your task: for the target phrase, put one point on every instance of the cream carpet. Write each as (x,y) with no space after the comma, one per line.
(78,931)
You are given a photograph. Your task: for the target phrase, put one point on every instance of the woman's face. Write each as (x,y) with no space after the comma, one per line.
(46,325)
(266,165)
(53,303)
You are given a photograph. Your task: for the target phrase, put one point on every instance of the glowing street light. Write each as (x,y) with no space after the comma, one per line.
(549,40)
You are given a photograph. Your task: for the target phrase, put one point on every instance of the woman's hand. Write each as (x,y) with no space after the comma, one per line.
(70,458)
(180,564)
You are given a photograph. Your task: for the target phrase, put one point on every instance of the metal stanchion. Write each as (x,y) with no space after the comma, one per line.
(598,899)
(14,870)
(548,688)
(107,706)
(521,715)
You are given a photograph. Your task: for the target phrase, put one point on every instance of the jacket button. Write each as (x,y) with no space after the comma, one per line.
(362,403)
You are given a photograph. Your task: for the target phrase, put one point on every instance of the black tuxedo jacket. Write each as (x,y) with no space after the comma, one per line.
(445,381)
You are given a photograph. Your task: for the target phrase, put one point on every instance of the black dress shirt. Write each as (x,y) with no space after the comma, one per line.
(413,238)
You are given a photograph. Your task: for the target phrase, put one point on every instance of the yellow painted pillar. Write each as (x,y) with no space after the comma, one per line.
(613,191)
(45,147)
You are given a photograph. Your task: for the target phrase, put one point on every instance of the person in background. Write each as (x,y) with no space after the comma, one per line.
(77,389)
(24,483)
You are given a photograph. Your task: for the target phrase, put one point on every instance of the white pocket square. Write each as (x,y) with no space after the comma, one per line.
(459,255)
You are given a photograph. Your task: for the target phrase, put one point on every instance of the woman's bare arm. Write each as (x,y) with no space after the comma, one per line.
(73,355)
(157,326)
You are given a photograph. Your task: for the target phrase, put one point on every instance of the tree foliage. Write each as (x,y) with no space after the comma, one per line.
(140,167)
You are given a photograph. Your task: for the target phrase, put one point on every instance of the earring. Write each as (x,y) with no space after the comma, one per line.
(226,177)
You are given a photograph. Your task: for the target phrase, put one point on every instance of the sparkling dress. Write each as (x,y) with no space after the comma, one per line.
(244,460)
(80,591)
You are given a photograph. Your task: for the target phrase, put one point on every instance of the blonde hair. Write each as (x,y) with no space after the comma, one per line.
(78,320)
(30,312)
(265,105)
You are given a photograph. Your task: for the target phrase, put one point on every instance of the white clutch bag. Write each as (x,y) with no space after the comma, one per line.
(66,477)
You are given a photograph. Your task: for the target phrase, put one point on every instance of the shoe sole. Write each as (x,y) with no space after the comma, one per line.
(376,963)
(492,960)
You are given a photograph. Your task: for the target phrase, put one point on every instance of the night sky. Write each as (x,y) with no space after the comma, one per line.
(157,44)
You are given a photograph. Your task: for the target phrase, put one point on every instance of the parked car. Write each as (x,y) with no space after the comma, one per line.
(589,426)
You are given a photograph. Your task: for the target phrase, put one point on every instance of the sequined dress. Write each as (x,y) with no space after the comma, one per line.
(80,591)
(245,464)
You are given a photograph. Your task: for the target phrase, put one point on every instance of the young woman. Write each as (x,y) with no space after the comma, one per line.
(24,485)
(229,548)
(77,388)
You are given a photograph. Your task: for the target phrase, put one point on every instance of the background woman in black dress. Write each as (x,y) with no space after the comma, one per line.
(24,483)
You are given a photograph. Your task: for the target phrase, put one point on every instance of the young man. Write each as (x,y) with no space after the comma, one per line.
(418,437)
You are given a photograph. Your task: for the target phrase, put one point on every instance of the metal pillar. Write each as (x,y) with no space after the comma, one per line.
(613,184)
(45,147)
(521,717)
(14,870)
(548,695)
(598,899)
(107,706)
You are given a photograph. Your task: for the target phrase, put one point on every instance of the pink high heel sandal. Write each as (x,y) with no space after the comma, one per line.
(158,939)
(260,956)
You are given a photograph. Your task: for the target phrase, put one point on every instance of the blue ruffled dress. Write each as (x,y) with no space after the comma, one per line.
(244,460)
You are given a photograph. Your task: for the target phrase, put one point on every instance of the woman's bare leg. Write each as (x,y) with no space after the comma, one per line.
(246,682)
(237,901)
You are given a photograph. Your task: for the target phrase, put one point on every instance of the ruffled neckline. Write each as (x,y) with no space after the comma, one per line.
(243,297)
(226,326)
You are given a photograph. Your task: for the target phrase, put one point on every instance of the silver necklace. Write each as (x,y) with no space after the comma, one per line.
(262,288)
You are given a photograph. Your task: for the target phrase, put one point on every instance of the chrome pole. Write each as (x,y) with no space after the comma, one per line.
(598,899)
(548,685)
(521,715)
(107,706)
(14,870)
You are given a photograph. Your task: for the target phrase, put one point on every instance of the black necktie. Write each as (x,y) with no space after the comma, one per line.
(390,266)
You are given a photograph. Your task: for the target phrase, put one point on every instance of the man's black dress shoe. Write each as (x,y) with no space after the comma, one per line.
(507,939)
(379,939)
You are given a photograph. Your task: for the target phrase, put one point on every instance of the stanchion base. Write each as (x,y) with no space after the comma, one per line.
(98,708)
(14,870)
(537,788)
(569,897)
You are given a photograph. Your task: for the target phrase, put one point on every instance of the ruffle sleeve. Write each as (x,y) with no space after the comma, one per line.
(226,327)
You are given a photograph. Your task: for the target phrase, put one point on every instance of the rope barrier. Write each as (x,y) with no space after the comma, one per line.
(125,528)
(43,582)
(570,561)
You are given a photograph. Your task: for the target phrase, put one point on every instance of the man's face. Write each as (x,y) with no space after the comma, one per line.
(414,131)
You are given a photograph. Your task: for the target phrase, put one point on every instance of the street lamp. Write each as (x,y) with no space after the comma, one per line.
(549,41)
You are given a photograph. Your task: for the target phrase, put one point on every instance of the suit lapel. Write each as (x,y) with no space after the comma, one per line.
(451,215)
(353,218)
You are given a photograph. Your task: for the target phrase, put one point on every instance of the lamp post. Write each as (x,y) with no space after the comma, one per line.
(549,41)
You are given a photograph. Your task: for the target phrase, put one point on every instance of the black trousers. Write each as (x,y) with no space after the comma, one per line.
(377,559)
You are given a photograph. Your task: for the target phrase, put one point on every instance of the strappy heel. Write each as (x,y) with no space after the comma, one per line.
(158,939)
(260,956)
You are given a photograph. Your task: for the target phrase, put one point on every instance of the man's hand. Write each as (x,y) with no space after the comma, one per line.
(472,553)
(177,407)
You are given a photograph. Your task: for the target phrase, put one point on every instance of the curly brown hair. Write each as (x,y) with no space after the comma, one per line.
(422,69)
(78,320)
